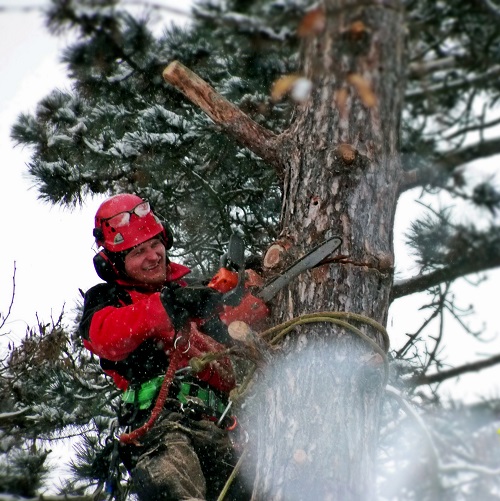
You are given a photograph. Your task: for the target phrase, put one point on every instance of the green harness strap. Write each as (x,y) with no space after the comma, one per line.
(144,396)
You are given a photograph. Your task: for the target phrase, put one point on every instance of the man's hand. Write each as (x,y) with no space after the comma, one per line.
(183,303)
(200,302)
(177,313)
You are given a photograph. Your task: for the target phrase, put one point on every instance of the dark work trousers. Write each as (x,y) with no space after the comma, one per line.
(180,459)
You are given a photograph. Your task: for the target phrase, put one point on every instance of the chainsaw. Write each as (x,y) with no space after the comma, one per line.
(231,277)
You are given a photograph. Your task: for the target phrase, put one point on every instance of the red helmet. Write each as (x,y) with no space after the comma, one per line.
(124,221)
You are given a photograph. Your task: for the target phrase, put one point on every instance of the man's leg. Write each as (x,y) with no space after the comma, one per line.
(170,471)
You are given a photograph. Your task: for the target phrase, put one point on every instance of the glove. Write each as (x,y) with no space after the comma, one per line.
(178,315)
(200,302)
(216,329)
(182,303)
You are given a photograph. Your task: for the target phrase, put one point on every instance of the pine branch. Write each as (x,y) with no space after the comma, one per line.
(43,497)
(455,85)
(421,283)
(230,118)
(456,371)
(448,163)
(244,24)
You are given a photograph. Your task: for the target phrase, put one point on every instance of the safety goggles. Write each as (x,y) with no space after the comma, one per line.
(123,218)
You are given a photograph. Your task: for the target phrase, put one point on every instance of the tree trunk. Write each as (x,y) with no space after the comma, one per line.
(318,415)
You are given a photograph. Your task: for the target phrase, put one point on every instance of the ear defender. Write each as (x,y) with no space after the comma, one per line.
(168,235)
(104,268)
(109,268)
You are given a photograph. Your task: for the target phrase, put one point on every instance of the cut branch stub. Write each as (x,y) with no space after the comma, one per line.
(254,347)
(233,121)
(347,153)
(276,253)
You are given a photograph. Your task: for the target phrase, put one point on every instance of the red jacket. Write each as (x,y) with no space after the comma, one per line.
(129,329)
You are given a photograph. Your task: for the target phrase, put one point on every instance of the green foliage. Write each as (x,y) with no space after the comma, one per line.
(122,128)
(50,390)
(23,471)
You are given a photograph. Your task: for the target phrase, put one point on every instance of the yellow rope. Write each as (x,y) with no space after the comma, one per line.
(231,478)
(276,333)
(312,317)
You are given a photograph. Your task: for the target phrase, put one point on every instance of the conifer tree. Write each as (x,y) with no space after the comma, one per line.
(402,96)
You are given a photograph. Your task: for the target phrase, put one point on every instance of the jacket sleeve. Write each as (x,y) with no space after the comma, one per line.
(220,373)
(113,331)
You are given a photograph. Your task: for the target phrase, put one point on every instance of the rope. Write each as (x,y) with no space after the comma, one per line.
(320,316)
(338,318)
(133,436)
(231,478)
(276,333)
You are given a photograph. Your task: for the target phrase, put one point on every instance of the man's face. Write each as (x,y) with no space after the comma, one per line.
(146,263)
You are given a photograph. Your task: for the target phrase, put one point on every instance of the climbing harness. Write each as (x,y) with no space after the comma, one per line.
(143,396)
(194,399)
(133,436)
(273,336)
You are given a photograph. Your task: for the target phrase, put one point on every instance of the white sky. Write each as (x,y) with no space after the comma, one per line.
(50,246)
(53,247)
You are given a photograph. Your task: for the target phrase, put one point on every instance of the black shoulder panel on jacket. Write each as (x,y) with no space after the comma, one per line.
(97,298)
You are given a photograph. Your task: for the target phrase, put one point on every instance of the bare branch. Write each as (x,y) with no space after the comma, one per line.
(22,8)
(491,8)
(417,70)
(2,323)
(245,24)
(421,283)
(456,371)
(449,162)
(459,83)
(472,128)
(7,418)
(230,118)
(411,412)
(158,6)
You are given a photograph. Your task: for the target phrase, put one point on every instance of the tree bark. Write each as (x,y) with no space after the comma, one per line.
(318,419)
(230,118)
(314,416)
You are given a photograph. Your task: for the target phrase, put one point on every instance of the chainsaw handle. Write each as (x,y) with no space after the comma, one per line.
(230,283)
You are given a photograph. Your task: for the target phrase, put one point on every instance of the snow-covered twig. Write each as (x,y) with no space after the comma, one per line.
(8,416)
(4,319)
(410,411)
(7,497)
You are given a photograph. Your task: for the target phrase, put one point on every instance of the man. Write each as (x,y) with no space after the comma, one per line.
(135,322)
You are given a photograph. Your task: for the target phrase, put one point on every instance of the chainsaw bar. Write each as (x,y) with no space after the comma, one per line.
(236,257)
(310,260)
